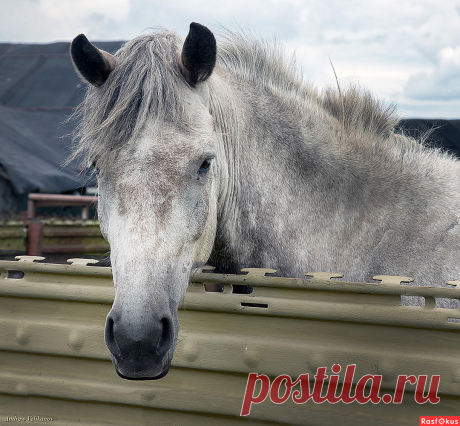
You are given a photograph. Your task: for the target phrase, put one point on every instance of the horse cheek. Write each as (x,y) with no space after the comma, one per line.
(102,208)
(205,242)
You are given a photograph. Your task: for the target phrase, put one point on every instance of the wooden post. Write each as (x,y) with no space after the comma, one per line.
(35,238)
(30,208)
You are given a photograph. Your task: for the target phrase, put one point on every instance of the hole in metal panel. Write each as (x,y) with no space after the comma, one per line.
(242,289)
(255,305)
(213,287)
(17,275)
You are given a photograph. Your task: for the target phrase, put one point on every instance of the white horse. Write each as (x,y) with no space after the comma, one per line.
(224,155)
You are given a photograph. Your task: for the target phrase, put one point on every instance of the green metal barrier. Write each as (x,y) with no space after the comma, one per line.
(54,363)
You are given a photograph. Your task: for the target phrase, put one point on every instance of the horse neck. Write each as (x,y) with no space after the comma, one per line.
(294,175)
(266,172)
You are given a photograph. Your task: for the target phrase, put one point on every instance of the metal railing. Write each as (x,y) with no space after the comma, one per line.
(57,200)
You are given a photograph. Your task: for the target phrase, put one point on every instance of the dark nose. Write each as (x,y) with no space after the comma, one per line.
(139,347)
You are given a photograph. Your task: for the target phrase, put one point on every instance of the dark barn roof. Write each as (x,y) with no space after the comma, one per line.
(38,91)
(442,133)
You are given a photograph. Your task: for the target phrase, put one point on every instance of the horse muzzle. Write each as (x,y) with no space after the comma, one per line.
(141,350)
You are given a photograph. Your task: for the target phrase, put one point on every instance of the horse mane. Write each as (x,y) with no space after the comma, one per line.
(260,62)
(265,63)
(358,109)
(147,80)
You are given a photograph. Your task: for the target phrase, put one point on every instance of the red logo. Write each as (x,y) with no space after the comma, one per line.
(439,420)
(320,395)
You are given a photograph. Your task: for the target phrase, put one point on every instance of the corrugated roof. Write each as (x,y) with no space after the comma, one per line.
(39,89)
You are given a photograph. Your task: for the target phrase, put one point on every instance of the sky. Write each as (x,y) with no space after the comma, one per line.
(405,52)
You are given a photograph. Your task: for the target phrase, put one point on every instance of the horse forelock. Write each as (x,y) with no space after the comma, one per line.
(145,84)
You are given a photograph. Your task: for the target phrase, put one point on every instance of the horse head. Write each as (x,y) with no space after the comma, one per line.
(158,188)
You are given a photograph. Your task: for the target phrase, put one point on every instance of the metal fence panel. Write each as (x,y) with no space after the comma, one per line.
(54,362)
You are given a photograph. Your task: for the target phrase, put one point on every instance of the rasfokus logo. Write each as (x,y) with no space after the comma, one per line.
(439,420)
(367,389)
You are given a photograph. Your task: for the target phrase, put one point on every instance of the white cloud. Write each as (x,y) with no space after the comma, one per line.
(41,21)
(442,83)
(450,56)
(71,10)
(430,109)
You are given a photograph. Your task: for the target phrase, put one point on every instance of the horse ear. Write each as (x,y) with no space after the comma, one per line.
(93,65)
(198,54)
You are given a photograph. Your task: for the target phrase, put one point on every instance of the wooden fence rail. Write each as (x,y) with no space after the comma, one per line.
(53,236)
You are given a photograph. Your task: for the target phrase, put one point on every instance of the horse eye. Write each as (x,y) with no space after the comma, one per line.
(205,166)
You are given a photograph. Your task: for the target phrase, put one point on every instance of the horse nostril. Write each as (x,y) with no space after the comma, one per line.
(110,337)
(109,331)
(167,335)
